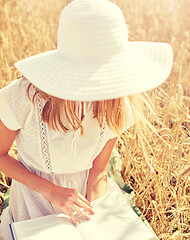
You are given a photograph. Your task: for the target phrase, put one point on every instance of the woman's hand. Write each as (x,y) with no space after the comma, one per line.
(69,200)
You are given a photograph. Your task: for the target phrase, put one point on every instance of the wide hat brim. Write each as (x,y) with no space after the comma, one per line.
(140,67)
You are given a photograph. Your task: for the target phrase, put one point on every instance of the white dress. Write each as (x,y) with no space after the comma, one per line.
(62,158)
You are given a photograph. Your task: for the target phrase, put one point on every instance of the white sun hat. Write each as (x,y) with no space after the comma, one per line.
(94,59)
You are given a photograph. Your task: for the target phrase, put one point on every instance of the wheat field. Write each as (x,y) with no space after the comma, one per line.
(30,27)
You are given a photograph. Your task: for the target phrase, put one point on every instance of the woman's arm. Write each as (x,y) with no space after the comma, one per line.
(97,180)
(65,198)
(13,168)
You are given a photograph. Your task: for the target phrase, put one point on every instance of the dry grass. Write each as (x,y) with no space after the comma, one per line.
(29,27)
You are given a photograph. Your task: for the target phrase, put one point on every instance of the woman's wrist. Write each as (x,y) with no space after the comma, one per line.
(47,188)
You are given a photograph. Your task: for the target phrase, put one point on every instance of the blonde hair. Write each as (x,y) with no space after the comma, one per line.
(114,111)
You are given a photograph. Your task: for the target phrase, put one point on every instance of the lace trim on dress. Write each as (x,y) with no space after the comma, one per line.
(43,132)
(104,125)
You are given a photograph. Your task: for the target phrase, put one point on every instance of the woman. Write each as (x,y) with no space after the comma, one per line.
(68,109)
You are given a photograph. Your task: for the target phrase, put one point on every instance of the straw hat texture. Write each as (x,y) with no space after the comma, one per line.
(94,59)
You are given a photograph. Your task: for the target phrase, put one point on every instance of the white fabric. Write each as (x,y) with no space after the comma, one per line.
(47,153)
(94,59)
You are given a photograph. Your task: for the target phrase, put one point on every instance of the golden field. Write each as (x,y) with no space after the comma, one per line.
(154,167)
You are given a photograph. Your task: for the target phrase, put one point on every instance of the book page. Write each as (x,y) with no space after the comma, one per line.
(114,220)
(48,228)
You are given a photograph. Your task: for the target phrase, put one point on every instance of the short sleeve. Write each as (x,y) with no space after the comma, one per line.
(14,104)
(130,120)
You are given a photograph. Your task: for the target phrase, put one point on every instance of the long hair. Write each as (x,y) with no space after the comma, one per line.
(114,111)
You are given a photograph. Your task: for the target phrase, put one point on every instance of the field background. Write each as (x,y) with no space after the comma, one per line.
(30,27)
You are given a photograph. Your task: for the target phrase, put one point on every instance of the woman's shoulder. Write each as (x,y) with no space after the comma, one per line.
(16,89)
(19,83)
(15,104)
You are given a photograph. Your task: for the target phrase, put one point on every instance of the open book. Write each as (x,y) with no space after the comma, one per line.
(114,219)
